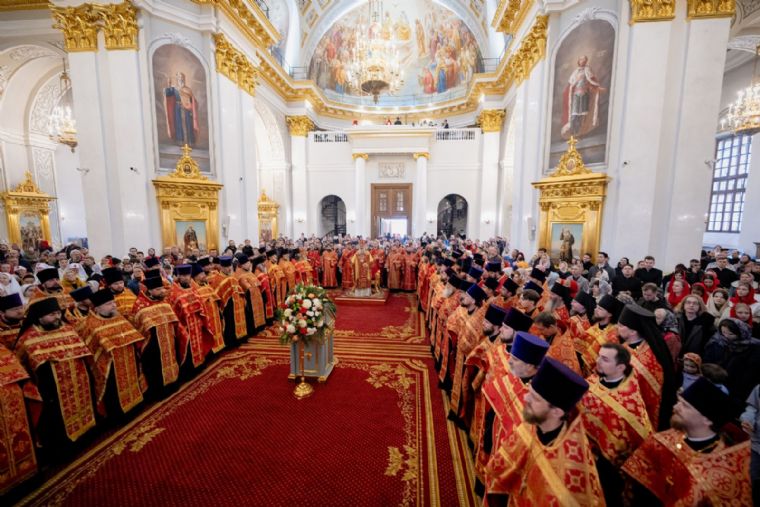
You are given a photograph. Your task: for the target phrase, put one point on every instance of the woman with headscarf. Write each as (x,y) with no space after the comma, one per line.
(717,304)
(71,280)
(9,284)
(677,291)
(743,312)
(733,348)
(600,288)
(710,281)
(668,324)
(692,370)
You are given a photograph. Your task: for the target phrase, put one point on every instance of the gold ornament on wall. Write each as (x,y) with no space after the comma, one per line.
(268,222)
(250,19)
(27,211)
(355,156)
(80,25)
(510,15)
(710,8)
(188,200)
(421,154)
(232,63)
(652,10)
(571,203)
(532,50)
(490,120)
(299,126)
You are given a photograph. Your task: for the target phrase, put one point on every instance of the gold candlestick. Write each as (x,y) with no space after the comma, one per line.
(303,389)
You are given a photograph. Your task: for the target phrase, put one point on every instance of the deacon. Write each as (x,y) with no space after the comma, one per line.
(11,314)
(56,356)
(506,395)
(614,416)
(157,322)
(232,303)
(188,306)
(547,459)
(113,342)
(210,305)
(692,464)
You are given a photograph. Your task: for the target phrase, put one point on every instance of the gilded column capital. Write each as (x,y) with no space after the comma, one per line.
(490,120)
(119,23)
(355,156)
(652,10)
(300,126)
(79,26)
(233,64)
(696,9)
(421,154)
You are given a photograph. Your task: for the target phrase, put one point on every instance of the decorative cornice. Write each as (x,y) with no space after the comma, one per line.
(532,50)
(421,154)
(119,23)
(23,5)
(250,19)
(696,9)
(510,15)
(490,120)
(232,63)
(652,10)
(365,156)
(299,126)
(80,25)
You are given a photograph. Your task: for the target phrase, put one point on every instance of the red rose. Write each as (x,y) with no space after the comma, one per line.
(283,306)
(302,330)
(304,310)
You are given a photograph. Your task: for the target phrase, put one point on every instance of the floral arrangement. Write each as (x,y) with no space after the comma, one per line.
(305,315)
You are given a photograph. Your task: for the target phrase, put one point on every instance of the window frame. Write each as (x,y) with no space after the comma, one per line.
(733,156)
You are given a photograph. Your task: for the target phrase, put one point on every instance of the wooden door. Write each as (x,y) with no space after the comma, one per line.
(391,201)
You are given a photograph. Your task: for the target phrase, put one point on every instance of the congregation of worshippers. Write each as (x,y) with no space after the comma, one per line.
(575,383)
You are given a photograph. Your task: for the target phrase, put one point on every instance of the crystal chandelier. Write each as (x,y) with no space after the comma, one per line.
(63,128)
(743,115)
(375,66)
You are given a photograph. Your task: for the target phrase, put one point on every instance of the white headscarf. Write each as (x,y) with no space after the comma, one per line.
(9,284)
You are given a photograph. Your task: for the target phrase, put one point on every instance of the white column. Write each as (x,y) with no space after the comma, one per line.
(298,179)
(361,226)
(229,169)
(250,170)
(419,204)
(750,224)
(491,122)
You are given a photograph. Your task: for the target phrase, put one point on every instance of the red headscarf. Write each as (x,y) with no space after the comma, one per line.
(715,284)
(732,314)
(706,293)
(674,299)
(748,300)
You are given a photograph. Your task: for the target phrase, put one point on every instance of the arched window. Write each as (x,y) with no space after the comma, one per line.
(452,215)
(332,214)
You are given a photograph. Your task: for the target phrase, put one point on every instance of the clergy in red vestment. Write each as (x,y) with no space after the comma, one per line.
(378,264)
(113,341)
(329,268)
(346,268)
(395,268)
(191,312)
(231,301)
(547,460)
(255,319)
(361,269)
(603,331)
(561,346)
(210,301)
(55,355)
(692,464)
(50,286)
(452,319)
(125,299)
(651,360)
(265,284)
(315,261)
(11,314)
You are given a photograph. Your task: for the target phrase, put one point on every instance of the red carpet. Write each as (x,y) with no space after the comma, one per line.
(374,434)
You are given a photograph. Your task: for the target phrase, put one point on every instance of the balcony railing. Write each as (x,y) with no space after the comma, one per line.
(330,137)
(455,135)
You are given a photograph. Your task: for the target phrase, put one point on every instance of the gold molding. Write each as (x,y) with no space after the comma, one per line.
(232,63)
(532,50)
(421,154)
(24,199)
(510,15)
(80,25)
(268,210)
(696,9)
(299,126)
(490,120)
(23,5)
(187,195)
(571,196)
(119,23)
(250,19)
(365,156)
(652,10)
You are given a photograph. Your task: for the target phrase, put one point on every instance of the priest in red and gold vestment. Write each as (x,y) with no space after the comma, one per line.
(395,268)
(277,277)
(561,346)
(304,272)
(315,261)
(547,460)
(692,464)
(505,392)
(113,342)
(20,401)
(582,309)
(50,285)
(255,318)
(288,269)
(409,279)
(56,356)
(329,268)
(265,285)
(378,264)
(361,269)
(189,308)
(455,313)
(125,299)
(210,301)
(232,303)
(347,268)
(651,360)
(164,335)
(615,416)
(603,331)
(11,314)
(82,307)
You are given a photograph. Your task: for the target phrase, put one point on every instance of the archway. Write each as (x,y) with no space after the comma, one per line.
(452,215)
(332,216)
